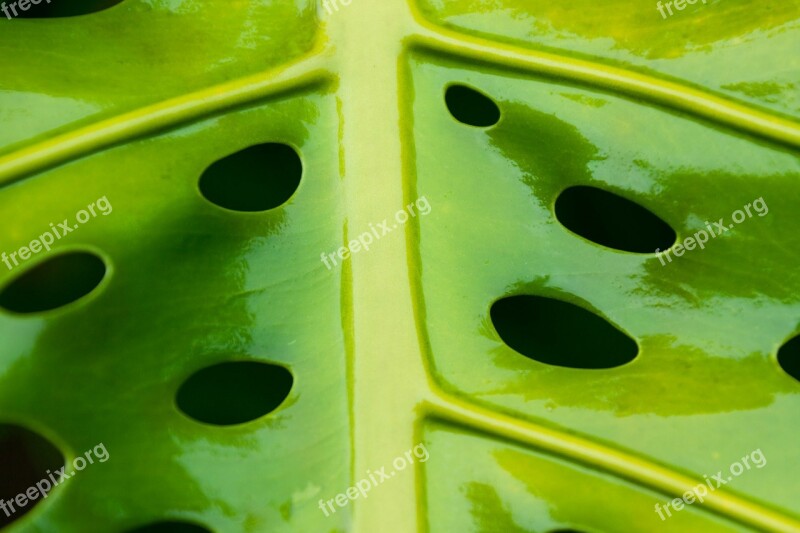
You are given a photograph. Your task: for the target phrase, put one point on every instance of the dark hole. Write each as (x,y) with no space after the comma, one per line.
(53,283)
(789,357)
(234,393)
(25,460)
(257,178)
(559,333)
(171,527)
(471,107)
(612,221)
(57,8)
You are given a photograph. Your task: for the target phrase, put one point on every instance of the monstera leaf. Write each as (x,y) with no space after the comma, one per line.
(509,265)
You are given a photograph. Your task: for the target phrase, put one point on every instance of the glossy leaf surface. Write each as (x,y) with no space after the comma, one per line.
(691,118)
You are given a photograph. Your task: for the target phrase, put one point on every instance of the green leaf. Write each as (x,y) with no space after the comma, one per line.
(201,174)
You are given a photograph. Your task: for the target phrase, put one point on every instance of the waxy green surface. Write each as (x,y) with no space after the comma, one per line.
(691,117)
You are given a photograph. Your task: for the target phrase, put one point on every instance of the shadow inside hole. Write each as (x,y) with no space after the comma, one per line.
(57,8)
(471,107)
(559,333)
(53,283)
(234,392)
(26,459)
(257,178)
(613,221)
(171,527)
(789,357)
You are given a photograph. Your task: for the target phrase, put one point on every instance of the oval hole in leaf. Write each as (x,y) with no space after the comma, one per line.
(789,357)
(54,283)
(559,333)
(257,178)
(63,8)
(234,392)
(171,527)
(613,221)
(471,107)
(25,458)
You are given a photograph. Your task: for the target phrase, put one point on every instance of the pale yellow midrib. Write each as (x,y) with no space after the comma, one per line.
(388,381)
